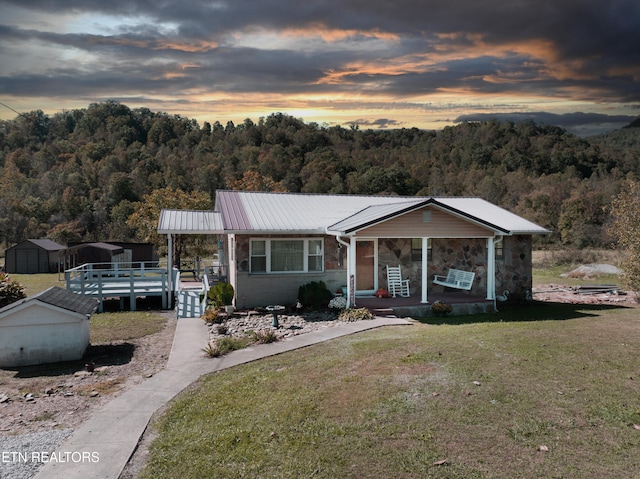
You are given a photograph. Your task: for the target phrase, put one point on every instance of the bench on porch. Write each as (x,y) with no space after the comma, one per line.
(456,279)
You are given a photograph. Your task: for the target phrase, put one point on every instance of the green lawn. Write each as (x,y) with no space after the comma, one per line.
(105,327)
(481,393)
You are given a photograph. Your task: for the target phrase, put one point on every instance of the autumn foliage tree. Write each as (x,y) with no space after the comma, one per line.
(625,209)
(146,214)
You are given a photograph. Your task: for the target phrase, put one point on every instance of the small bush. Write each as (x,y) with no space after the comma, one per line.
(266,337)
(220,294)
(212,350)
(339,302)
(10,291)
(314,295)
(440,307)
(355,314)
(222,329)
(212,316)
(224,346)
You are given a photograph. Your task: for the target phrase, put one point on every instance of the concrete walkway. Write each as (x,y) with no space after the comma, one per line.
(102,446)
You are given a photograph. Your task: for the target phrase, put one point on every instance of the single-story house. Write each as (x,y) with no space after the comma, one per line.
(33,256)
(276,242)
(49,327)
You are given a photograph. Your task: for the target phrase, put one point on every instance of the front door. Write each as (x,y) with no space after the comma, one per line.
(366,266)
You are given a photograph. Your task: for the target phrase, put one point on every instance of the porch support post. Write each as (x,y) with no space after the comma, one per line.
(169,269)
(491,269)
(425,276)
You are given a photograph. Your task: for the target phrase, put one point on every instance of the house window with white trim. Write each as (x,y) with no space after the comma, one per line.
(294,255)
(416,249)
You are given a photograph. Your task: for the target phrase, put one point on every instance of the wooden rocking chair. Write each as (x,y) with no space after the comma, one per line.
(395,283)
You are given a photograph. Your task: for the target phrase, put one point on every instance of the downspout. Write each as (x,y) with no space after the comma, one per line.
(348,247)
(499,239)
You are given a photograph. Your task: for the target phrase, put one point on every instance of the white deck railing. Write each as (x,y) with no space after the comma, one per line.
(119,280)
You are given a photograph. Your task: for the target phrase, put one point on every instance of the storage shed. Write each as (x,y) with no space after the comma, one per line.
(49,327)
(33,256)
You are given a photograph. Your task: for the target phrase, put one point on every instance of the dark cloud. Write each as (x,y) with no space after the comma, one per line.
(576,50)
(380,123)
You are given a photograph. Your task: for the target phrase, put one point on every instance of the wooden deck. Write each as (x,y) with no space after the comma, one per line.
(114,280)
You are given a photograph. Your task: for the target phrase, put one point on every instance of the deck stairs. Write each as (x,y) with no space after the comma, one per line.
(188,304)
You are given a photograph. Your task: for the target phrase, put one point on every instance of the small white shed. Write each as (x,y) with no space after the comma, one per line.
(49,327)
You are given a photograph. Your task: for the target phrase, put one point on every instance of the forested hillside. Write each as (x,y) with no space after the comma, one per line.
(77,175)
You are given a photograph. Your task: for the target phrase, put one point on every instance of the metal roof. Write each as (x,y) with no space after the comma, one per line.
(255,212)
(47,244)
(291,212)
(190,222)
(484,212)
(297,213)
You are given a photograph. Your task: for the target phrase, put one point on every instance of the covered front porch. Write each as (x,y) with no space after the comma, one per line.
(461,302)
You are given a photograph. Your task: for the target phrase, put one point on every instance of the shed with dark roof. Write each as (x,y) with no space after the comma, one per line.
(33,256)
(49,327)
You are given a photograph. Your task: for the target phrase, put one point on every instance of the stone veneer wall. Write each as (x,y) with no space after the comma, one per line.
(513,272)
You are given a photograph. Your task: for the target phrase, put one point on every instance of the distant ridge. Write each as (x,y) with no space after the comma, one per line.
(634,124)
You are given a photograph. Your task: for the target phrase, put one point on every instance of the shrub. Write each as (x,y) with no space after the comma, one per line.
(339,302)
(222,329)
(266,337)
(225,345)
(220,294)
(440,307)
(314,295)
(355,314)
(212,316)
(10,291)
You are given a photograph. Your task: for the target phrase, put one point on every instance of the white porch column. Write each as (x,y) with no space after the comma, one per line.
(425,275)
(491,269)
(169,268)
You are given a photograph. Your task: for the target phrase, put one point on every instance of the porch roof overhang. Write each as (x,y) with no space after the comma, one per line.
(190,222)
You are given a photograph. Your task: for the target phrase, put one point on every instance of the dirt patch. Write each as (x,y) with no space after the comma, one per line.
(64,395)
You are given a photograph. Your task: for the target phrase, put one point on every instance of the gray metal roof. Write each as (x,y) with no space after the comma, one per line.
(291,212)
(60,298)
(190,222)
(256,212)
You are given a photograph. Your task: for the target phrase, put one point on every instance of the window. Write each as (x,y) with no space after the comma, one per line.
(258,256)
(416,249)
(287,255)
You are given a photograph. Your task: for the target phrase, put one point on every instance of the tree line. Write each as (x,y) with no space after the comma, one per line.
(80,175)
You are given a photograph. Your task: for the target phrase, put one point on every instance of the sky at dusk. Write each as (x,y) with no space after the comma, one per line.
(375,63)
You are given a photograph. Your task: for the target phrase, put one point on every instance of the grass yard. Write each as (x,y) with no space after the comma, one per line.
(124,325)
(105,327)
(475,397)
(36,283)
